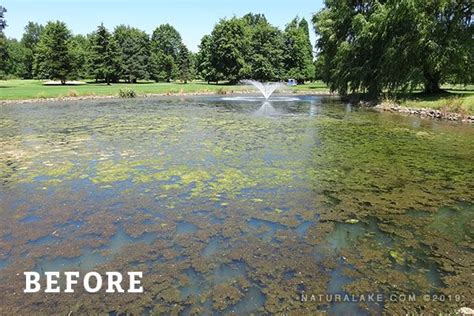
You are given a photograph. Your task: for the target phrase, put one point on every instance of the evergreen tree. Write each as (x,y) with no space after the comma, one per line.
(52,58)
(184,64)
(134,49)
(3,43)
(3,23)
(3,55)
(105,55)
(80,54)
(162,67)
(298,51)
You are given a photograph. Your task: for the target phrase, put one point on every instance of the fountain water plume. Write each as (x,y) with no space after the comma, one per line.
(266,89)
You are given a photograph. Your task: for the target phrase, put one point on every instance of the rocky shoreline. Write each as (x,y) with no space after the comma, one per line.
(425,112)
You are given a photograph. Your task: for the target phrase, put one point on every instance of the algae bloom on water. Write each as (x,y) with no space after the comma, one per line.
(233,205)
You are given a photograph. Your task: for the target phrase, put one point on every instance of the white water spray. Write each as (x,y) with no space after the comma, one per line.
(266,89)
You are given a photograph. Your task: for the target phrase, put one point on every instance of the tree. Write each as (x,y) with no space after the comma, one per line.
(205,68)
(30,40)
(371,47)
(3,55)
(229,41)
(166,43)
(15,64)
(445,42)
(134,53)
(298,51)
(105,55)
(80,54)
(264,58)
(184,64)
(52,58)
(162,67)
(3,43)
(3,22)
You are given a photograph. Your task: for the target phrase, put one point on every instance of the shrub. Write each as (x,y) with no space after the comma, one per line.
(127,93)
(221,91)
(454,105)
(72,93)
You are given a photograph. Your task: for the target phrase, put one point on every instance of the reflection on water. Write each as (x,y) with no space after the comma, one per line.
(235,205)
(266,110)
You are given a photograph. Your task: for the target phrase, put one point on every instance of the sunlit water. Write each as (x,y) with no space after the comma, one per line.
(235,205)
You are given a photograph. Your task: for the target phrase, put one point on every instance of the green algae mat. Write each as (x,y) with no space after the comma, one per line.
(236,206)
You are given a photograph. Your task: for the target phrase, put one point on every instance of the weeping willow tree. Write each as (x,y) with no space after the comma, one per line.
(373,46)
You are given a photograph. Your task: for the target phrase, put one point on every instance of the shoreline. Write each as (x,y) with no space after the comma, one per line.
(424,113)
(381,107)
(152,95)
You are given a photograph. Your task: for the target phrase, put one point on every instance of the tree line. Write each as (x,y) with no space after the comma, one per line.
(238,48)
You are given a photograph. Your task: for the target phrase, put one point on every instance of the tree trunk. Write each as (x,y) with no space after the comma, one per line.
(63,81)
(432,82)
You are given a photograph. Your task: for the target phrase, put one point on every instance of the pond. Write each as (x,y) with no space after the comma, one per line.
(234,205)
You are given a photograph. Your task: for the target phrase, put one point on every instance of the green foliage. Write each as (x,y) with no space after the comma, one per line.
(30,40)
(229,41)
(105,55)
(184,64)
(166,43)
(3,23)
(127,93)
(53,59)
(251,48)
(162,67)
(298,51)
(3,44)
(3,55)
(79,51)
(373,46)
(15,64)
(204,65)
(134,46)
(264,59)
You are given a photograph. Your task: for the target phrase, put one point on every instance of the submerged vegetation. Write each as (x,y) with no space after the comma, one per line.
(233,212)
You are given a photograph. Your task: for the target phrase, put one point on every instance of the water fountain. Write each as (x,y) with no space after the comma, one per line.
(266,89)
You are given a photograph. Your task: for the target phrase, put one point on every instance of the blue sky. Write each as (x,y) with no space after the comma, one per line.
(192,18)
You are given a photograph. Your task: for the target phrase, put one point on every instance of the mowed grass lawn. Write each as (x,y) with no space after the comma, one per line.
(33,89)
(458,99)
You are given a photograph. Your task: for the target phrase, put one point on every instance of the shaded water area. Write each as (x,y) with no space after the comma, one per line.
(236,206)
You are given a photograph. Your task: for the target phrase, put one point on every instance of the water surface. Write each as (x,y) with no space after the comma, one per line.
(234,205)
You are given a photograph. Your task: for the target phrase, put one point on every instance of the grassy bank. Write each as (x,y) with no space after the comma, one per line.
(34,89)
(455,99)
